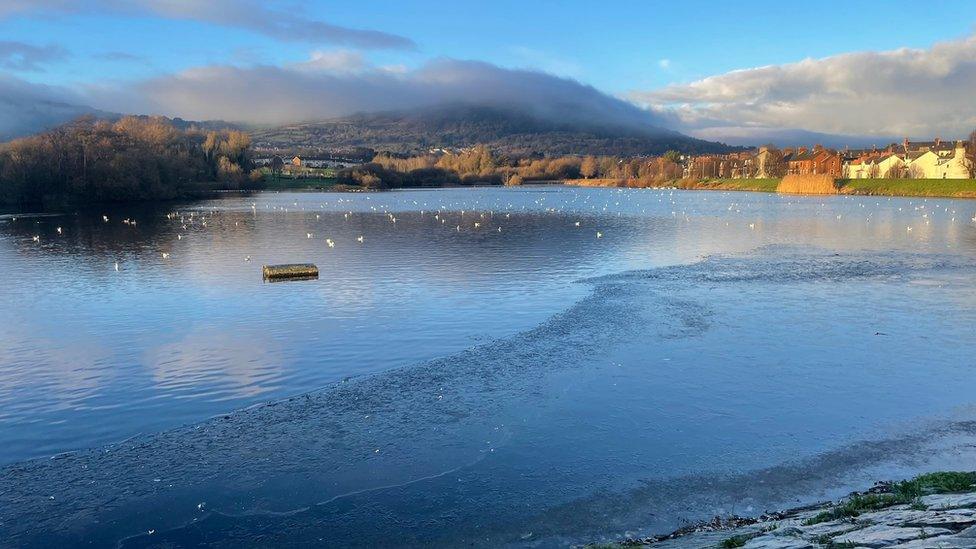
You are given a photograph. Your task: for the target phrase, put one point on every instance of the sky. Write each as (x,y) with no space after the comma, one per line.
(722,70)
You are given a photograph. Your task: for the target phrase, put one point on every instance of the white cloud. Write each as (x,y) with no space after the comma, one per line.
(26,107)
(916,92)
(664,63)
(283,22)
(333,61)
(338,83)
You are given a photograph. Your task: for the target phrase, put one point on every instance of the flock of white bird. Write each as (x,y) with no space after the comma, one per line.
(475,212)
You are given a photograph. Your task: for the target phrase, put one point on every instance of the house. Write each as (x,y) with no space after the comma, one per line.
(940,163)
(924,160)
(818,161)
(890,166)
(297,162)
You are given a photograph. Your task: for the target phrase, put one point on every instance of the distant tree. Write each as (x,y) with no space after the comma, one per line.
(134,158)
(899,171)
(588,167)
(971,153)
(673,156)
(370,181)
(913,172)
(775,163)
(277,165)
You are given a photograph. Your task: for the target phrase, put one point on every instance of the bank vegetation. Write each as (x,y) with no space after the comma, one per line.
(134,158)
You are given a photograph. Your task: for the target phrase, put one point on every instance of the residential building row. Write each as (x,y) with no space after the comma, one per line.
(916,160)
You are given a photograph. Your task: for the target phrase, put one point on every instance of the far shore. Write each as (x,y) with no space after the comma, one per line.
(923,188)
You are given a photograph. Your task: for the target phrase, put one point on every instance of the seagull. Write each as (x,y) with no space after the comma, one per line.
(576,224)
(360,239)
(179,237)
(59,230)
(330,242)
(599,234)
(105,218)
(37,238)
(308,235)
(116,266)
(165,255)
(247,258)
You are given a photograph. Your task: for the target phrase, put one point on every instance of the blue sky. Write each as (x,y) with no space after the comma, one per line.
(622,48)
(616,48)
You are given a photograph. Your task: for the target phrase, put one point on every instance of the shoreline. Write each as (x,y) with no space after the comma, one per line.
(931,510)
(903,188)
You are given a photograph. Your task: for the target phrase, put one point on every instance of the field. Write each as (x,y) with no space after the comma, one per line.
(310,178)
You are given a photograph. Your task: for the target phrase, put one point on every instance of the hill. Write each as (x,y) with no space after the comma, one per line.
(505,130)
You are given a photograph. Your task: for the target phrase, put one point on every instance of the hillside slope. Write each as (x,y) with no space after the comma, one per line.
(506,130)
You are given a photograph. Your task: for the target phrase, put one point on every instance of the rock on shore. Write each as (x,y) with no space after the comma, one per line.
(931,521)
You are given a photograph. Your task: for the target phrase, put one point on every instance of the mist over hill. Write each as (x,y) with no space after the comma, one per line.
(505,129)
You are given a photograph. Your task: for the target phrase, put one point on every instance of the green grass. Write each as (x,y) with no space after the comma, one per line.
(759,185)
(907,491)
(282,183)
(910,187)
(935,483)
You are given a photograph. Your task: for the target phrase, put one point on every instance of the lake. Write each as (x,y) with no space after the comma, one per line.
(535,366)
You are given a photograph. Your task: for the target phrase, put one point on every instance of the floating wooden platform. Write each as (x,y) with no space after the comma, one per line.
(290,271)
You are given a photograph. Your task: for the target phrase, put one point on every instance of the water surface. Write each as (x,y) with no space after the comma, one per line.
(488,366)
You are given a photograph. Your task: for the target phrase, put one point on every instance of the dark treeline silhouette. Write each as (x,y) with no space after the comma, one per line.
(479,165)
(134,158)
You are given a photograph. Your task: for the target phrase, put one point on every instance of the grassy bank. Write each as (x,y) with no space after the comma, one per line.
(282,183)
(955,188)
(948,188)
(756,185)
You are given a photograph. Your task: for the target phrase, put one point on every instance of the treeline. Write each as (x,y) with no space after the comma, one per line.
(135,158)
(479,165)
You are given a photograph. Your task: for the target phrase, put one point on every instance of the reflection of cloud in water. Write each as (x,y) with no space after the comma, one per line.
(233,365)
(44,374)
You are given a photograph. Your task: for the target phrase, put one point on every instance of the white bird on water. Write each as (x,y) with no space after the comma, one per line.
(37,238)
(330,242)
(59,230)
(599,234)
(360,239)
(576,224)
(105,218)
(116,266)
(165,255)
(308,235)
